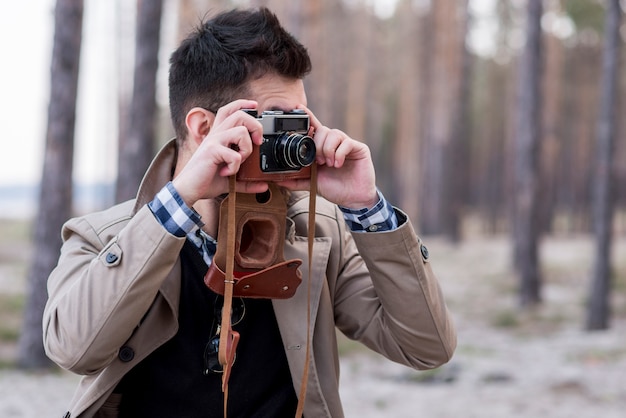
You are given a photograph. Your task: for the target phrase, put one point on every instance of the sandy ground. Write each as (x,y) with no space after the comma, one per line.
(508,363)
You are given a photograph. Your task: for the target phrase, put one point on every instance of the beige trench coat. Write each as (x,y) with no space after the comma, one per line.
(114,297)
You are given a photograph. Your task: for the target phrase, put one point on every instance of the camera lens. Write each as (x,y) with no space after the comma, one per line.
(294,151)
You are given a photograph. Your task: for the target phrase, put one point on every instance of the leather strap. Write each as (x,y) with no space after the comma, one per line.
(311,239)
(230,338)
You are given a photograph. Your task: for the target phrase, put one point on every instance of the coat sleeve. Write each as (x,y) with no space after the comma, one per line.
(106,279)
(387,297)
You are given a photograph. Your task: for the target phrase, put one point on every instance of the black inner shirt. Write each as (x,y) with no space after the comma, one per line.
(171,382)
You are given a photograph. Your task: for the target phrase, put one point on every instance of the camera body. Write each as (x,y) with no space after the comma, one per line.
(287,151)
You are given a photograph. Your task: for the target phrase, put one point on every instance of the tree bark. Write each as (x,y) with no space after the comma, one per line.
(552,136)
(455,180)
(409,116)
(527,135)
(444,84)
(136,148)
(55,196)
(598,314)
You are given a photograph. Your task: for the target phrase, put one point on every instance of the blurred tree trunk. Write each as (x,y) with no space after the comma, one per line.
(552,138)
(579,100)
(566,190)
(191,13)
(188,17)
(55,196)
(379,120)
(335,26)
(136,146)
(493,97)
(456,178)
(492,158)
(598,314)
(587,101)
(314,35)
(527,145)
(409,117)
(444,84)
(358,74)
(620,157)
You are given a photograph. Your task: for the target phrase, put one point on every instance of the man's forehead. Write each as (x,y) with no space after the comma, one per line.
(277,93)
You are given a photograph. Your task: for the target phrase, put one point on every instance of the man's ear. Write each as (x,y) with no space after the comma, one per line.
(199,122)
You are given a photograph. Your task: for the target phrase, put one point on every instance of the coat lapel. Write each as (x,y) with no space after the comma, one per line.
(291,314)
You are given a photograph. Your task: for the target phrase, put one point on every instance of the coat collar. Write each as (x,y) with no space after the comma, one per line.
(161,171)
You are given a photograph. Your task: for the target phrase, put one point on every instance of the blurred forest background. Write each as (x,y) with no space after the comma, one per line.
(484,117)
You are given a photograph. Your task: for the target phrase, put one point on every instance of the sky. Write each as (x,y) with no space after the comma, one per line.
(26,47)
(26,30)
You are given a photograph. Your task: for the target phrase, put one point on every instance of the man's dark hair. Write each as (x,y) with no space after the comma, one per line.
(215,64)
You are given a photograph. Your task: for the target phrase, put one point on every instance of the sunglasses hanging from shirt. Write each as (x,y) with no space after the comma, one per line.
(211,350)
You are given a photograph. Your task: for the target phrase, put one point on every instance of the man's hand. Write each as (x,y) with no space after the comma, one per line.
(346,173)
(231,135)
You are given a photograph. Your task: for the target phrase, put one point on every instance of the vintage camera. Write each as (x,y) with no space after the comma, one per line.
(287,151)
(260,269)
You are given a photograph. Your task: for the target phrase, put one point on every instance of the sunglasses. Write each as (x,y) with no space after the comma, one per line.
(212,348)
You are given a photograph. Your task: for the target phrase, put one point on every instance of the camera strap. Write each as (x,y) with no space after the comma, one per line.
(310,239)
(230,338)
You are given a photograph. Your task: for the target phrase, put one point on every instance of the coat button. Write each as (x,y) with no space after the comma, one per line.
(424,252)
(126,354)
(111,258)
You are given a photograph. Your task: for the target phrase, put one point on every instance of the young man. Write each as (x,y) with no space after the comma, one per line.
(129,310)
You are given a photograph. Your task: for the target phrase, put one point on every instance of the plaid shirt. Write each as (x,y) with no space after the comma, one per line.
(382,217)
(181,220)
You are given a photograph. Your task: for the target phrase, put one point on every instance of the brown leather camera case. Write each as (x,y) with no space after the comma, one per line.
(260,268)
